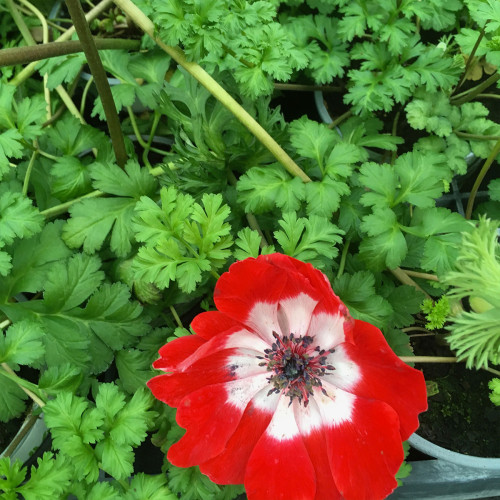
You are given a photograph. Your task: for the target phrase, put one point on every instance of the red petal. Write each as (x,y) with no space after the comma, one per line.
(279,467)
(385,377)
(176,351)
(210,416)
(314,437)
(211,323)
(209,370)
(229,466)
(365,450)
(252,289)
(248,282)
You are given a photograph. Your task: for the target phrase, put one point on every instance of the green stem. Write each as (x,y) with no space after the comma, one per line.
(307,88)
(471,57)
(63,207)
(30,69)
(417,274)
(403,277)
(468,95)
(393,133)
(28,172)
(176,317)
(484,170)
(477,137)
(29,388)
(340,119)
(21,25)
(215,89)
(343,258)
(428,359)
(24,55)
(489,96)
(254,224)
(101,80)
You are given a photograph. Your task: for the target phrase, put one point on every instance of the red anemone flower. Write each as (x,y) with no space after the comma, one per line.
(280,389)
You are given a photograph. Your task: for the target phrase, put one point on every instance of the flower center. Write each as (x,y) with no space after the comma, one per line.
(296,367)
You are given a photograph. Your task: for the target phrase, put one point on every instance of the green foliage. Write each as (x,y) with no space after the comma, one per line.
(312,240)
(84,319)
(436,313)
(49,479)
(417,179)
(93,220)
(101,435)
(358,293)
(141,77)
(475,335)
(494,385)
(249,245)
(182,239)
(384,80)
(20,123)
(191,484)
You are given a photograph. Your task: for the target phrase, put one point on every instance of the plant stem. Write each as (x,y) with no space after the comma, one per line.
(27,54)
(468,95)
(476,137)
(215,89)
(253,223)
(307,88)
(101,80)
(417,274)
(416,329)
(428,359)
(343,258)
(340,119)
(92,14)
(63,207)
(176,317)
(484,170)
(489,96)
(402,276)
(471,57)
(23,384)
(5,324)
(21,25)
(393,133)
(28,172)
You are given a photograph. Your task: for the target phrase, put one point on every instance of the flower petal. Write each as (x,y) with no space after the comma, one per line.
(279,467)
(229,466)
(211,323)
(176,351)
(365,450)
(209,370)
(311,428)
(385,377)
(210,416)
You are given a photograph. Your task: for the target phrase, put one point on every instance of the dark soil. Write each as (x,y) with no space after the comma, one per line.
(461,416)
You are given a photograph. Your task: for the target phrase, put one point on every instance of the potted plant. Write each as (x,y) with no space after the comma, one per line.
(111,247)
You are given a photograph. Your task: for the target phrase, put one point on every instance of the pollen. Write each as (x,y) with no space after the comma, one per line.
(296,367)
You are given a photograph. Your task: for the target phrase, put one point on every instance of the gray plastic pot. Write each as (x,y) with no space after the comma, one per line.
(28,438)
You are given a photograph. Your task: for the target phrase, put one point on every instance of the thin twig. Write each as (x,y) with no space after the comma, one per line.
(402,276)
(428,359)
(417,274)
(92,14)
(215,89)
(101,80)
(484,170)
(27,54)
